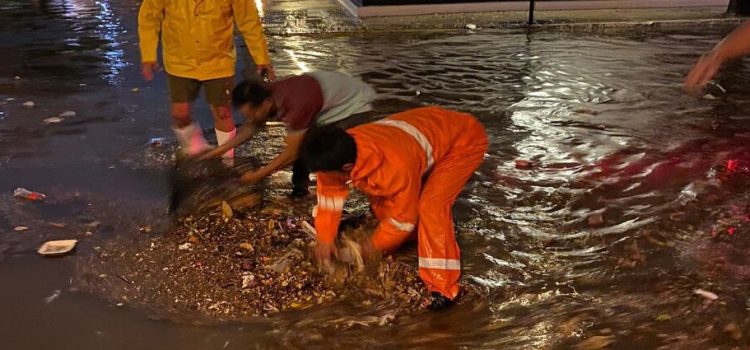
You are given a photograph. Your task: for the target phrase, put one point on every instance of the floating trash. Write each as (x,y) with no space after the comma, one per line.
(56,248)
(595,220)
(706,294)
(156,141)
(23,193)
(53,120)
(524,164)
(52,297)
(67,114)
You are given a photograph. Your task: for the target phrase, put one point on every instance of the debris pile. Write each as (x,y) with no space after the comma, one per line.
(228,266)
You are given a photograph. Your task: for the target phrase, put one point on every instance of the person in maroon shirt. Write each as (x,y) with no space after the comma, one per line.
(300,102)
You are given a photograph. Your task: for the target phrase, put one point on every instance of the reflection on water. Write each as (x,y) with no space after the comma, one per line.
(56,32)
(601,242)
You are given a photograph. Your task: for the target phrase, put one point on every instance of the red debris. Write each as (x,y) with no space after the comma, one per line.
(524,164)
(732,165)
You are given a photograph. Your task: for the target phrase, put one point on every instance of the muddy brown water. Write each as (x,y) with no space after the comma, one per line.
(600,244)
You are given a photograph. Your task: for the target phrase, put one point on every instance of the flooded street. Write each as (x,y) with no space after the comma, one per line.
(635,199)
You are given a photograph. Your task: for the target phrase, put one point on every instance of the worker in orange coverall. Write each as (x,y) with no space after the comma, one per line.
(412,165)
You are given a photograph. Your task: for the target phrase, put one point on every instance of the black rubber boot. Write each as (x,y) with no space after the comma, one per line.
(300,180)
(299,193)
(439,302)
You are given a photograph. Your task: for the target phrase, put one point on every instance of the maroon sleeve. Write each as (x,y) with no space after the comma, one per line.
(300,99)
(299,117)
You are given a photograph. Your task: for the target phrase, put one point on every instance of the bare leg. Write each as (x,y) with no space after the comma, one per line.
(180,112)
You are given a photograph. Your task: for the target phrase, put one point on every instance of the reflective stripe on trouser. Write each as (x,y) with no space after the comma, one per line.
(439,256)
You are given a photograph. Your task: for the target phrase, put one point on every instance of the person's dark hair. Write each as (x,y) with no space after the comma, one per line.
(250,91)
(327,148)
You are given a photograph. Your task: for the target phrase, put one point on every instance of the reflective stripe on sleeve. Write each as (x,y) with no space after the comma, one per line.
(415,133)
(331,203)
(440,264)
(402,226)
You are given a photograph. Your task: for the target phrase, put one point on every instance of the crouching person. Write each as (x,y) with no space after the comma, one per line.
(412,165)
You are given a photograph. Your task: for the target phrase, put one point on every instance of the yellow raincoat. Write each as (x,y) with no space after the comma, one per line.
(198,35)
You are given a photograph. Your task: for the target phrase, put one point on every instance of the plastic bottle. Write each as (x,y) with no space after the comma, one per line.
(30,195)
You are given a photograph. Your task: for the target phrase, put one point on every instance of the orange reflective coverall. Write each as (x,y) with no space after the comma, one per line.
(412,166)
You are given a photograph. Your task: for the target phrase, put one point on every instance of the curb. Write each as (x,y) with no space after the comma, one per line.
(593,27)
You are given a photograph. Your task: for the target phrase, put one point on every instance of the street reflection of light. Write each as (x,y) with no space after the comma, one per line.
(75,8)
(259,6)
(108,29)
(302,66)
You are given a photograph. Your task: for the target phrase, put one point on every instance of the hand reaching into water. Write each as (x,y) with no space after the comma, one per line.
(735,45)
(703,72)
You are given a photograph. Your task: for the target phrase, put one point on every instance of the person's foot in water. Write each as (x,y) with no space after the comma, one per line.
(438,302)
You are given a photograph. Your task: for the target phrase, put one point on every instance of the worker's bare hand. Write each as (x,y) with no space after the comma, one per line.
(252,177)
(703,72)
(148,69)
(269,69)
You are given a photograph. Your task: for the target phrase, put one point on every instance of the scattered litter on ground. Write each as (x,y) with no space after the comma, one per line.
(471,26)
(709,97)
(20,228)
(524,164)
(23,193)
(156,141)
(226,210)
(53,120)
(52,297)
(733,331)
(135,89)
(67,114)
(250,264)
(56,248)
(28,104)
(719,87)
(706,294)
(595,220)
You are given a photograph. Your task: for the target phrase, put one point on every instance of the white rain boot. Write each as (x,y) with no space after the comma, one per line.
(223,137)
(191,139)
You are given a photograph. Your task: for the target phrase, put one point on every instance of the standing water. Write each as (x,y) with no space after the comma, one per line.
(628,229)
